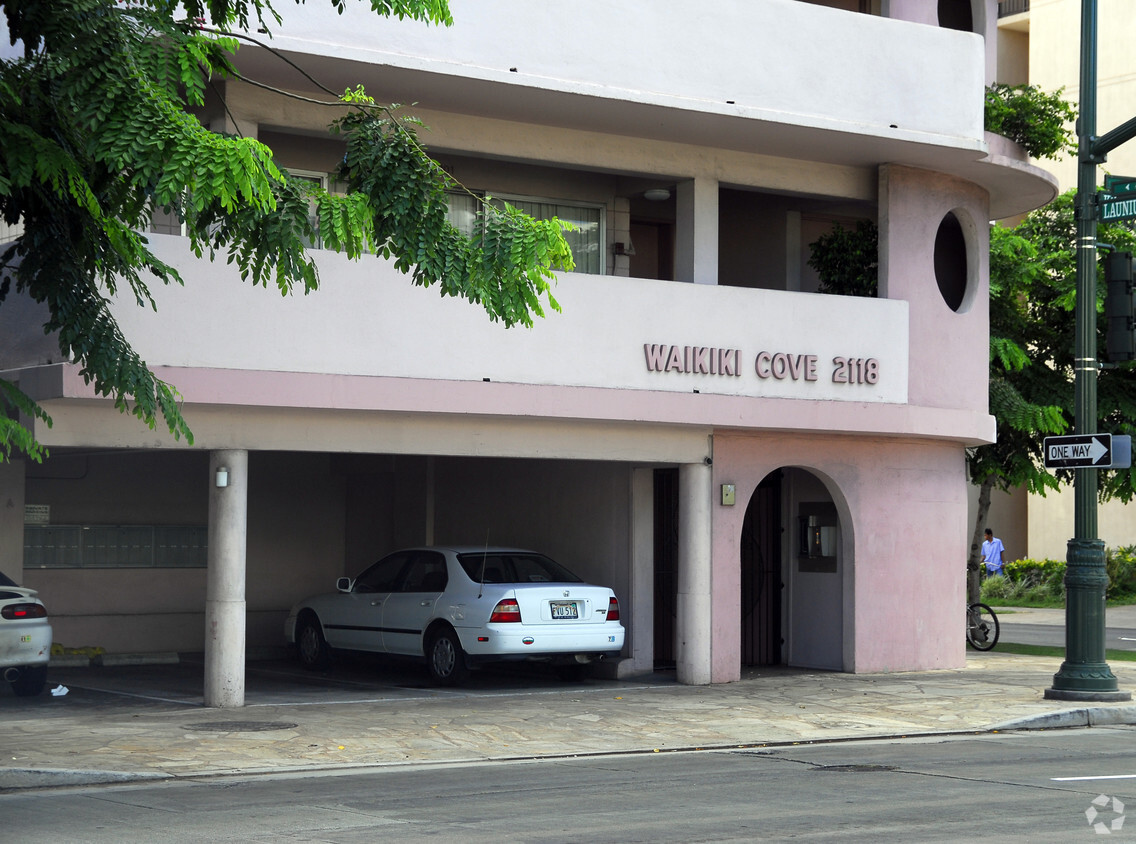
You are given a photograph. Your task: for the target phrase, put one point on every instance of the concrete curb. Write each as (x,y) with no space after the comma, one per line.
(1094,716)
(12,779)
(108,660)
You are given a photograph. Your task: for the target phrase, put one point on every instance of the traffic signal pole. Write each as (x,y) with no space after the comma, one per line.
(1084,675)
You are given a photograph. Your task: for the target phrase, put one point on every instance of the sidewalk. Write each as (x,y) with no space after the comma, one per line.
(145,722)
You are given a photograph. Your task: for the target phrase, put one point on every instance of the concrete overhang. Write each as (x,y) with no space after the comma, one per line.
(999,166)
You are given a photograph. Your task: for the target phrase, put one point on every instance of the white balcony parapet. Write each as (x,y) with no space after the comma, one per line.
(614,333)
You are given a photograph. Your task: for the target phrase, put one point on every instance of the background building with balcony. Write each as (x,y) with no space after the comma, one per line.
(764,473)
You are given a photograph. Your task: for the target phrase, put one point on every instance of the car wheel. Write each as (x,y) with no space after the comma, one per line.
(315,655)
(31,681)
(446,659)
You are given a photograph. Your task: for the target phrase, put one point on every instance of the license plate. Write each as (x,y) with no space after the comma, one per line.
(564,609)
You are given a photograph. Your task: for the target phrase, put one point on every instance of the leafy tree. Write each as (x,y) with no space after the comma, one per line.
(1038,120)
(97,132)
(1032,302)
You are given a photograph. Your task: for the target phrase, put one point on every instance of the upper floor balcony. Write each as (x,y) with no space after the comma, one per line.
(784,77)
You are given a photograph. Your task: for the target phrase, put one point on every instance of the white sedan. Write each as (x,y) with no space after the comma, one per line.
(460,607)
(25,638)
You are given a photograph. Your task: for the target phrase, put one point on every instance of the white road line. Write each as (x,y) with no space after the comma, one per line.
(1112,777)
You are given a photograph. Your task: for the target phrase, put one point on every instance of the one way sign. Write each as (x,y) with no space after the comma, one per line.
(1083,451)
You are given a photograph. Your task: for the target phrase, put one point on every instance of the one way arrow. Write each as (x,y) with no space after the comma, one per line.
(1097,450)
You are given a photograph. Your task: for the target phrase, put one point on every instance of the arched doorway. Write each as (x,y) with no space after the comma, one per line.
(792,573)
(761,575)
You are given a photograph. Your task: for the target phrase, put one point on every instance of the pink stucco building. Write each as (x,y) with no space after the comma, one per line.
(763,473)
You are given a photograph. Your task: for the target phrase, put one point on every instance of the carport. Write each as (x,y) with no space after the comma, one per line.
(283,522)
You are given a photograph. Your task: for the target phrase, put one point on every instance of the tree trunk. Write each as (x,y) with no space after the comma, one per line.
(974,561)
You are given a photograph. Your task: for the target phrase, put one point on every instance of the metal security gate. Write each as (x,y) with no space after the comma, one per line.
(761,575)
(666,566)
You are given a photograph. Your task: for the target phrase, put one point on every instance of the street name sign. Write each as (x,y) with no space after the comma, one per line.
(1088,451)
(1118,186)
(1121,208)
(1118,202)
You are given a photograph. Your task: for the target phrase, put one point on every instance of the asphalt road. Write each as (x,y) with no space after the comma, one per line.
(1033,786)
(1026,626)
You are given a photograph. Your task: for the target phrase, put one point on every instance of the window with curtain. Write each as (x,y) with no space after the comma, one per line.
(586,242)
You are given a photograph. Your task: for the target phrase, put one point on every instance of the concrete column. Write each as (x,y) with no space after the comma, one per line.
(12,485)
(696,231)
(231,121)
(225,581)
(694,597)
(639,612)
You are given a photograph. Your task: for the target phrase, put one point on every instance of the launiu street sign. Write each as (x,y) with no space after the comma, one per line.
(1118,202)
(1085,451)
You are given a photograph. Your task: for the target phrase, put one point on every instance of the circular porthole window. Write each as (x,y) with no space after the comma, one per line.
(956,14)
(952,262)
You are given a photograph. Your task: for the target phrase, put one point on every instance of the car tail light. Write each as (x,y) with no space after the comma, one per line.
(507,609)
(21,612)
(613,610)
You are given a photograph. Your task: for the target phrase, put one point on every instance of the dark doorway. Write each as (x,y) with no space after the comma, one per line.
(654,250)
(761,575)
(666,566)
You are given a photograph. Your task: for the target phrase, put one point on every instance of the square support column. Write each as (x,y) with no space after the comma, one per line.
(696,231)
(12,486)
(695,610)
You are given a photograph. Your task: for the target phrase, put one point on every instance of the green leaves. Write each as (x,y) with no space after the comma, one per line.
(96,133)
(848,261)
(1025,114)
(14,437)
(506,268)
(1032,299)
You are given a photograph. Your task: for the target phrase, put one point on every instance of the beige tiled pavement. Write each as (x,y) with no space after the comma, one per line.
(148,721)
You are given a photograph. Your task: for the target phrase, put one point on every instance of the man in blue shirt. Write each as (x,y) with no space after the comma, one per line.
(992,553)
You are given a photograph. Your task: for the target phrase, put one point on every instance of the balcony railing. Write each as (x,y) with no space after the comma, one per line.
(1012,7)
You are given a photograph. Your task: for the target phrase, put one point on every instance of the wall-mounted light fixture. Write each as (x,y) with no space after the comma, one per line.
(657,194)
(221,479)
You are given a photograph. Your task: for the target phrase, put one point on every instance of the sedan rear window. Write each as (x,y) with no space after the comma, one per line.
(499,567)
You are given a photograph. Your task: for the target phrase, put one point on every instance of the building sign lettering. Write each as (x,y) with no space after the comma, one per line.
(779,366)
(699,360)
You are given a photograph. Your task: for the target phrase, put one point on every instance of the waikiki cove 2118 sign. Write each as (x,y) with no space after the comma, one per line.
(779,366)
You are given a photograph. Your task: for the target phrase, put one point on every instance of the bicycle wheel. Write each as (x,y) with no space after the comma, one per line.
(982,627)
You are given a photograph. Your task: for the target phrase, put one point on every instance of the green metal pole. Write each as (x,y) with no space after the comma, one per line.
(1084,675)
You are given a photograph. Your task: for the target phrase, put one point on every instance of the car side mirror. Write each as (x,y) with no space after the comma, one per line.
(343,584)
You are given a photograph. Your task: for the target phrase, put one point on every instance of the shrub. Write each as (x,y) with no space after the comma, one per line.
(1042,582)
(1027,583)
(1030,117)
(1121,566)
(847,262)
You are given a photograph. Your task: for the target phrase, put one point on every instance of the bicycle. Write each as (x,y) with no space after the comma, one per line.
(982,627)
